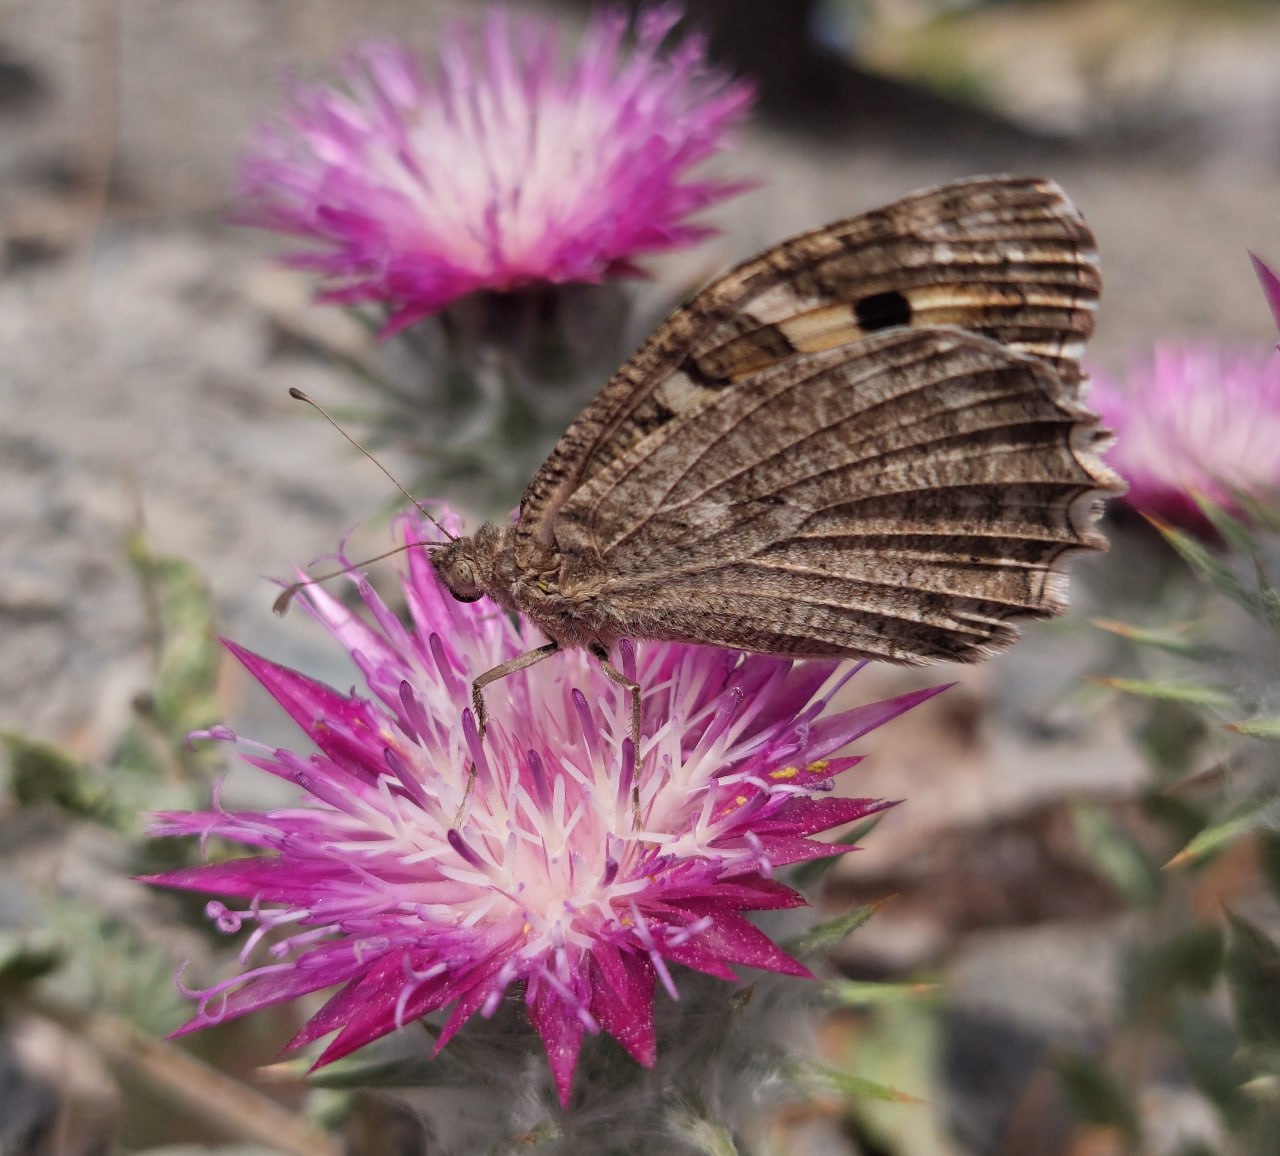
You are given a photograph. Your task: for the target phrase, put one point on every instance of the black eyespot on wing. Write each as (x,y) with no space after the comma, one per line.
(882,311)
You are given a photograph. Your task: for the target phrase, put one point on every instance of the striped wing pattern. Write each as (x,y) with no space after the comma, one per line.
(867,441)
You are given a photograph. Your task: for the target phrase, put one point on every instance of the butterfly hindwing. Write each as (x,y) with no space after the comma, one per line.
(897,497)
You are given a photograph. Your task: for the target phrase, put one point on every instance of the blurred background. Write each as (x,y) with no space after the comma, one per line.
(147,344)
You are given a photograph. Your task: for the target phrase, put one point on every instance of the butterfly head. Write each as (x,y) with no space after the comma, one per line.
(465,565)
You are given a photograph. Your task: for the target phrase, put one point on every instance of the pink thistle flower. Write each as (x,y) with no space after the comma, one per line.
(1196,419)
(412,892)
(502,171)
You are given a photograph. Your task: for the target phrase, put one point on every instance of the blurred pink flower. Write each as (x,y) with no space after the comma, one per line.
(414,895)
(504,169)
(1270,285)
(1195,419)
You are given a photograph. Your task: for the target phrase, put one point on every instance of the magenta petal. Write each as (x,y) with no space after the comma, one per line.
(339,725)
(304,699)
(371,1011)
(344,1005)
(783,849)
(805,816)
(272,880)
(694,955)
(745,892)
(733,938)
(561,1033)
(479,986)
(622,987)
(830,734)
(264,990)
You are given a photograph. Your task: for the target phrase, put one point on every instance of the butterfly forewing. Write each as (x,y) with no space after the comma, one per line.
(1005,257)
(1008,258)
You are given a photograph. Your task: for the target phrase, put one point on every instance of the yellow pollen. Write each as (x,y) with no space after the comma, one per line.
(785,773)
(819,766)
(738,802)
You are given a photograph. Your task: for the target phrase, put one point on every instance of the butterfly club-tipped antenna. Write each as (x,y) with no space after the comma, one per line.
(283,601)
(298,395)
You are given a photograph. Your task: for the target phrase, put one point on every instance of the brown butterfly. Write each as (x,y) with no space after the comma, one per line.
(866,442)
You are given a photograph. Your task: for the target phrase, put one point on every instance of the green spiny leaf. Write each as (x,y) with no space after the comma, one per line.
(855,993)
(820,1077)
(1258,728)
(1255,814)
(1259,510)
(1269,597)
(1203,559)
(1161,640)
(1197,694)
(1235,533)
(1180,817)
(823,937)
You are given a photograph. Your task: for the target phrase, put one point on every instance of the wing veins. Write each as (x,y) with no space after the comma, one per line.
(727,398)
(915,422)
(934,619)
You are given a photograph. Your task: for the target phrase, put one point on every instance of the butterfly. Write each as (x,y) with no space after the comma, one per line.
(866,442)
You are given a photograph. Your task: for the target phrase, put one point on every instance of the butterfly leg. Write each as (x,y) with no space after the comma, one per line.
(616,676)
(520,662)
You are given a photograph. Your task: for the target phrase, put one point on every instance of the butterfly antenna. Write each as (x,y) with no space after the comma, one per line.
(298,395)
(281,605)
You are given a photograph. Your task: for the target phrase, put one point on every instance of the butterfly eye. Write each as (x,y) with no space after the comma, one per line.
(460,577)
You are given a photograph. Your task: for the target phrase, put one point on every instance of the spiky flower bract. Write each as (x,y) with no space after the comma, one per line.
(1194,419)
(414,888)
(504,169)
